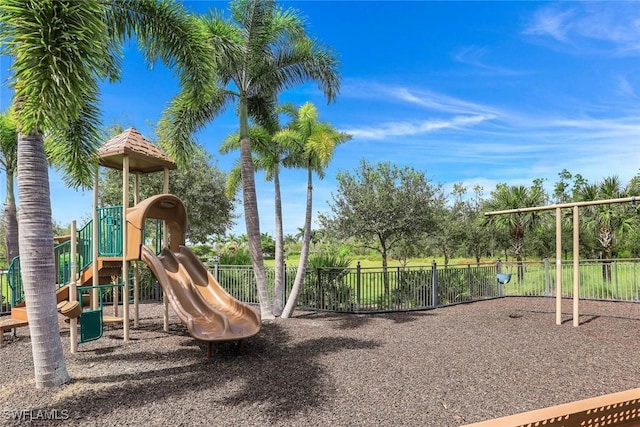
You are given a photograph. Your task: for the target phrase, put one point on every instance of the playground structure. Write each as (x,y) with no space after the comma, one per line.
(575,206)
(89,260)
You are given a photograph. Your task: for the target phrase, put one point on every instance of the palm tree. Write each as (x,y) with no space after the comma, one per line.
(506,197)
(313,143)
(268,157)
(62,50)
(8,161)
(606,220)
(265,51)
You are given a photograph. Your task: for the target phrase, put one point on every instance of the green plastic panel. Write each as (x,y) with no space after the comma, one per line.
(90,325)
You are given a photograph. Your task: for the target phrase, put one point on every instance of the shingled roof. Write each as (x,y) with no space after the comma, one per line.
(144,156)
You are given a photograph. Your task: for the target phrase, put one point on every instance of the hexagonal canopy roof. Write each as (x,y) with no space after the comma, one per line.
(144,156)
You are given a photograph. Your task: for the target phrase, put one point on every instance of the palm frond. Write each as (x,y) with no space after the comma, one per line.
(74,149)
(306,60)
(166,32)
(184,116)
(58,58)
(234,180)
(230,143)
(8,141)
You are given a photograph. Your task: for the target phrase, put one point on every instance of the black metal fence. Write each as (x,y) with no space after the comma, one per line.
(371,290)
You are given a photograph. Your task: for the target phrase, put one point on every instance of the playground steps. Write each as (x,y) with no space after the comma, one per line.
(107,269)
(19,312)
(111,319)
(7,324)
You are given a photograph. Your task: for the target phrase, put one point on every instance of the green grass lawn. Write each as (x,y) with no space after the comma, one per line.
(4,288)
(370,261)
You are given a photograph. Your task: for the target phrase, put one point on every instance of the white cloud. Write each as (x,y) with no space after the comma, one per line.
(601,28)
(474,56)
(417,97)
(437,102)
(394,129)
(551,22)
(625,88)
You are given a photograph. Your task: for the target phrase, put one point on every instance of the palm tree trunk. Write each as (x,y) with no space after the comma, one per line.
(10,219)
(278,288)
(251,217)
(292,301)
(37,262)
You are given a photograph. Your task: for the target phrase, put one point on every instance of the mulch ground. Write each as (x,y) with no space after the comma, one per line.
(443,367)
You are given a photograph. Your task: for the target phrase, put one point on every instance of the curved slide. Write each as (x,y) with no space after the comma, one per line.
(208,311)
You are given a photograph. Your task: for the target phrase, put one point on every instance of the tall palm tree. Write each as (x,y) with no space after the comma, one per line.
(313,143)
(268,158)
(607,220)
(266,50)
(8,161)
(506,197)
(62,50)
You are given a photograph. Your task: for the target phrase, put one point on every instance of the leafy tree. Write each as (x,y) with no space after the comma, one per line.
(62,50)
(201,188)
(478,237)
(8,162)
(268,245)
(312,144)
(560,188)
(450,233)
(383,204)
(506,197)
(463,223)
(563,195)
(262,50)
(406,249)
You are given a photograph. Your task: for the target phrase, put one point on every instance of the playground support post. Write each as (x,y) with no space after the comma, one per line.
(576,265)
(165,243)
(558,266)
(136,270)
(73,293)
(125,263)
(95,292)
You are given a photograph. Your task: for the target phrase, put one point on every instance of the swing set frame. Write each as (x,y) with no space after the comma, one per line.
(575,206)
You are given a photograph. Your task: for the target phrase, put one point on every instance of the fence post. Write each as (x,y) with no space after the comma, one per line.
(499,271)
(358,287)
(635,276)
(547,276)
(469,281)
(434,284)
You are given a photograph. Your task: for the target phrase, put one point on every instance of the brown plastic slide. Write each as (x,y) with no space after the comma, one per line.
(208,311)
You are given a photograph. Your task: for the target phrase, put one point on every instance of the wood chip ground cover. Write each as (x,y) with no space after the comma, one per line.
(443,367)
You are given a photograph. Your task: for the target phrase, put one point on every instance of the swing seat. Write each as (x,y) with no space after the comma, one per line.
(503,278)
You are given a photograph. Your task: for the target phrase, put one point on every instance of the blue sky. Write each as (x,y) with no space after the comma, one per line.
(471,92)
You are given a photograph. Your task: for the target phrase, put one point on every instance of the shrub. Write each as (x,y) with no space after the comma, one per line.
(239,257)
(325,287)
